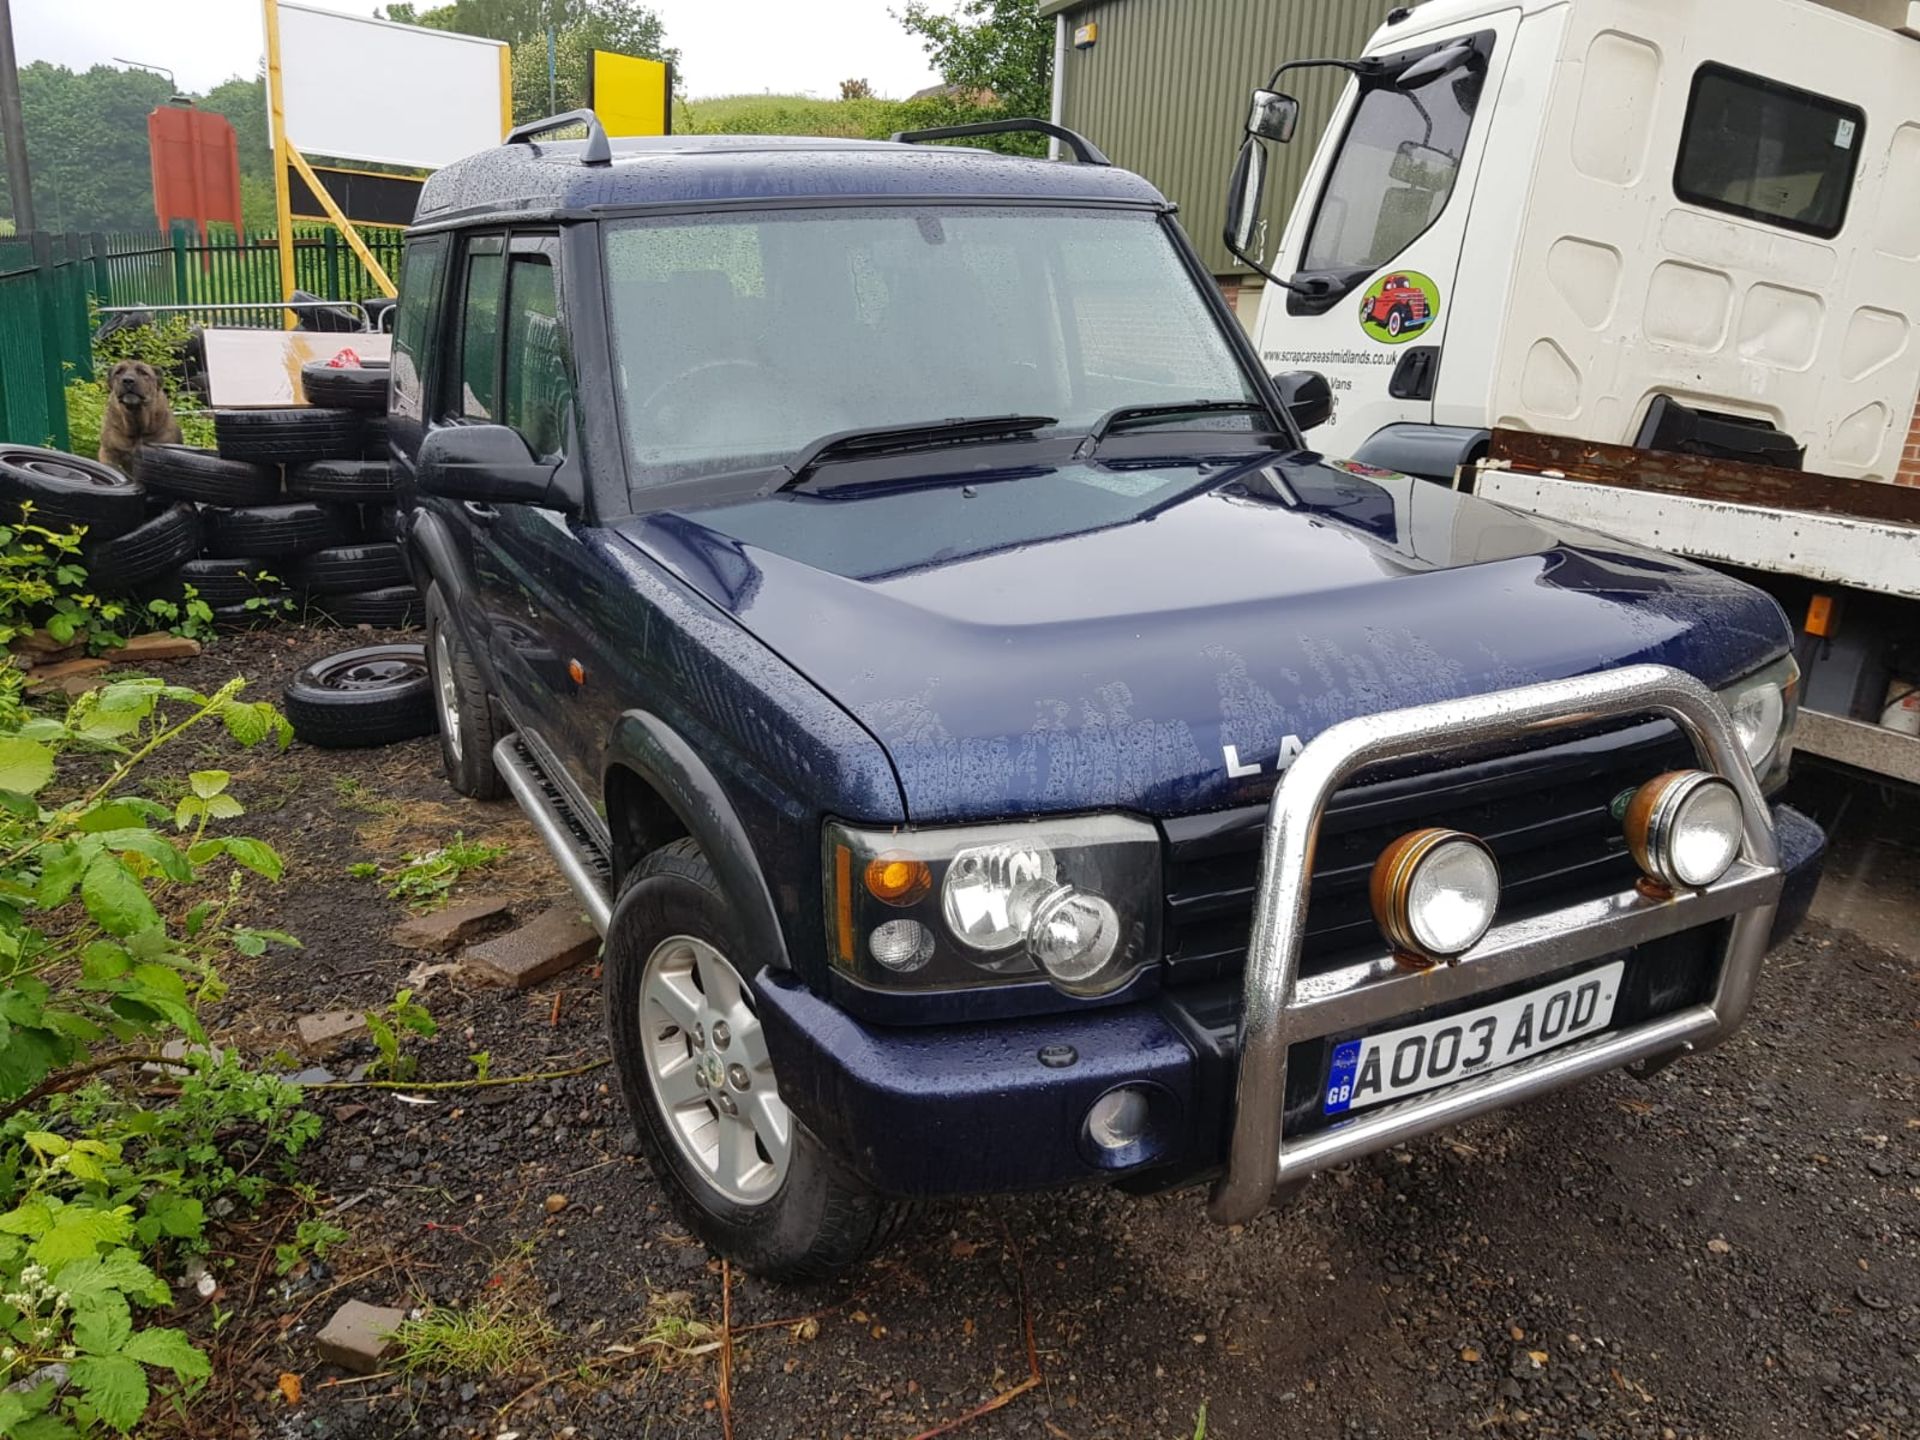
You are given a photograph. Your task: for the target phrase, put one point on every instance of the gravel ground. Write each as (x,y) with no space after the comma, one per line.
(1731,1250)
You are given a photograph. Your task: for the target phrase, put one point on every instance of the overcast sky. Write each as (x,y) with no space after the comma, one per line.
(726,46)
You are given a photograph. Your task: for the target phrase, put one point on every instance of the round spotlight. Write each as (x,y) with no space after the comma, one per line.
(1435,892)
(1684,828)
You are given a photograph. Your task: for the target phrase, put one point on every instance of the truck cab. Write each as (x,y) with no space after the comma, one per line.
(1648,269)
(1629,224)
(998,753)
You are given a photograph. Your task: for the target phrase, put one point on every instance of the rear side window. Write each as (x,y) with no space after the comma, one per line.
(1764,151)
(536,391)
(414,324)
(476,396)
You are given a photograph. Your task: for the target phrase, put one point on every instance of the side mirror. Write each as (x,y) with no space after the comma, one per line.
(1273,116)
(1246,202)
(487,463)
(1307,396)
(1422,167)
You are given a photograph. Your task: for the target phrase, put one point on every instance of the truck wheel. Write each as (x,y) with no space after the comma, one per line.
(460,700)
(740,1171)
(1396,320)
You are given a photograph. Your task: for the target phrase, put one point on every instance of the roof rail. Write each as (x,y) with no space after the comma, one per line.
(1084,150)
(598,151)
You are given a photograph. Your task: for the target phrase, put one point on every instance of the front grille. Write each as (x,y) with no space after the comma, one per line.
(1545,812)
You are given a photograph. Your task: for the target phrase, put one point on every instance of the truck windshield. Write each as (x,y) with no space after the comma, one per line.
(1395,170)
(741,338)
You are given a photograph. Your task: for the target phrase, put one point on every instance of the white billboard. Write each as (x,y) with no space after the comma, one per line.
(360,89)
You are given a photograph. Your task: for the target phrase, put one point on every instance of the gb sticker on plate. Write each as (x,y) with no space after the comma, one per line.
(1346,1061)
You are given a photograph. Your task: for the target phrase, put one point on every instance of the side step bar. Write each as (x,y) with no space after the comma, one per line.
(574,840)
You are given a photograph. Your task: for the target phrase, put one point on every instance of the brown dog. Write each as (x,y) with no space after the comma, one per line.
(137,413)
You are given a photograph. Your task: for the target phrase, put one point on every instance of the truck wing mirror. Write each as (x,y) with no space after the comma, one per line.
(1273,116)
(492,464)
(1246,203)
(1307,396)
(1422,167)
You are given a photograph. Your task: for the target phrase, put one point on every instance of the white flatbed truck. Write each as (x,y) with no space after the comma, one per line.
(1651,267)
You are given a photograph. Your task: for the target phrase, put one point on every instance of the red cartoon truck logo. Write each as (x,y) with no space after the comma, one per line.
(1398,304)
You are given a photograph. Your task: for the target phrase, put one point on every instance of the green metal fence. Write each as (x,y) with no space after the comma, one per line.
(48,282)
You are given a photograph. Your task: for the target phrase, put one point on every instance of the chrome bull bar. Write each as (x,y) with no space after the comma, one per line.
(1281,1009)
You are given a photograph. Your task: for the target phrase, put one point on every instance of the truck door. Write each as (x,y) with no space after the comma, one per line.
(1376,232)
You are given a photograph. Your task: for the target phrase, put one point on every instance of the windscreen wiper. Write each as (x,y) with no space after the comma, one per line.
(1121,416)
(893,439)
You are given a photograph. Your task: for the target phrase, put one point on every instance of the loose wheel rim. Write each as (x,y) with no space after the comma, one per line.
(374,672)
(449,697)
(61,470)
(707,1065)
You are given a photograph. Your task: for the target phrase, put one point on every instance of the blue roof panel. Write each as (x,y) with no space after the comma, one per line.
(725,169)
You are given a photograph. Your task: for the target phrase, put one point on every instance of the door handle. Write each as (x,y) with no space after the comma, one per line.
(479,510)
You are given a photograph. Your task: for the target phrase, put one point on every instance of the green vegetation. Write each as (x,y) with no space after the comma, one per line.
(403,1016)
(1000,52)
(109,939)
(43,586)
(423,880)
(355,794)
(500,1336)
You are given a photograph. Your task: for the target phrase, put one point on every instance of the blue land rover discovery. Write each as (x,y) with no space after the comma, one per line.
(999,753)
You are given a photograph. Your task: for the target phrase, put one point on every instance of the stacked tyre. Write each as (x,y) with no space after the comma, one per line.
(289,514)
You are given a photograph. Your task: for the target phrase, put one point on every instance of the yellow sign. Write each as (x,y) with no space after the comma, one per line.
(630,95)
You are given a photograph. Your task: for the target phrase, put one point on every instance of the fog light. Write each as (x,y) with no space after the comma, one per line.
(1434,893)
(1118,1119)
(1684,828)
(901,945)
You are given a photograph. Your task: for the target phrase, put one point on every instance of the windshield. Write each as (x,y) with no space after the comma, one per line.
(1395,170)
(740,339)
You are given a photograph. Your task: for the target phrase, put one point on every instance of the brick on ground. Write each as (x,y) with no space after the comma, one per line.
(73,676)
(551,942)
(329,1029)
(158,645)
(358,1335)
(447,930)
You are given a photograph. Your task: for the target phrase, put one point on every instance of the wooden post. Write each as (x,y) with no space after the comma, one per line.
(282,197)
(344,225)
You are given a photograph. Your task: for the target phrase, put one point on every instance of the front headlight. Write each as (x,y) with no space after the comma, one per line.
(1074,901)
(1763,708)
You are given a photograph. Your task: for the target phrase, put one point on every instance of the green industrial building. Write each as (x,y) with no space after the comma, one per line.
(1162,87)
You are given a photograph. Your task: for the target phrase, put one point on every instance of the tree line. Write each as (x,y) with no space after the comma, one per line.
(87,130)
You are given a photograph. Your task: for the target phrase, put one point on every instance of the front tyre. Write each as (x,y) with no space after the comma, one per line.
(460,702)
(740,1171)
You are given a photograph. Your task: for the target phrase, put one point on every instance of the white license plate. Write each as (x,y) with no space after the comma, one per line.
(1377,1068)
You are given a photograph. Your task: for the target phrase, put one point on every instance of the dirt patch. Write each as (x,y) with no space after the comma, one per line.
(1732,1250)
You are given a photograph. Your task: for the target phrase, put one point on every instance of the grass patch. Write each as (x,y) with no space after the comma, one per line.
(424,880)
(353,794)
(496,1337)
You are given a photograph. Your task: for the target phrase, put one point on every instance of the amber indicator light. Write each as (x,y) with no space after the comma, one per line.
(898,880)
